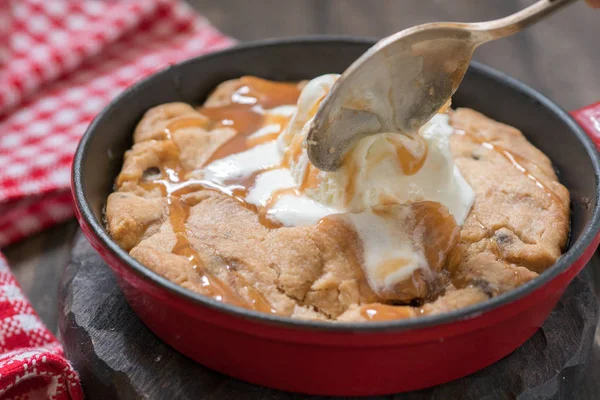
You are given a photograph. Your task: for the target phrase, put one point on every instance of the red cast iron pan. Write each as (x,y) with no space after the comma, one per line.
(342,358)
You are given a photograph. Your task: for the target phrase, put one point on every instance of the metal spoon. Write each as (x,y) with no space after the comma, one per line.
(404,79)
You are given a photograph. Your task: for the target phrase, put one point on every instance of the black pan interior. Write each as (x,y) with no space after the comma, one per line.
(99,157)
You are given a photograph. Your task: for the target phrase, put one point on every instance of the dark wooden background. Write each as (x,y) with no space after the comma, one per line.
(560,57)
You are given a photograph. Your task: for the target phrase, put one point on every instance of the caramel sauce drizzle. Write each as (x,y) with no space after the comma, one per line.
(293,152)
(409,163)
(352,168)
(245,114)
(276,123)
(310,178)
(441,233)
(178,214)
(279,194)
(434,234)
(178,210)
(198,121)
(384,312)
(390,266)
(239,190)
(515,160)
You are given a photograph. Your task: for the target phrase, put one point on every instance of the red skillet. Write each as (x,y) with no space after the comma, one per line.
(344,358)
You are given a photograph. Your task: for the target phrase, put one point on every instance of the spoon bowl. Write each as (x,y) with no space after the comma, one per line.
(404,80)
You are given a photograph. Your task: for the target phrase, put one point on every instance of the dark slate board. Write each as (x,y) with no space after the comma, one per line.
(117,357)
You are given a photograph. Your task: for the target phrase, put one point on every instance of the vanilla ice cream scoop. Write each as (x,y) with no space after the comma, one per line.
(387,168)
(401,192)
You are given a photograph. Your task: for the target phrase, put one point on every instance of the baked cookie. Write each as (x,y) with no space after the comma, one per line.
(207,240)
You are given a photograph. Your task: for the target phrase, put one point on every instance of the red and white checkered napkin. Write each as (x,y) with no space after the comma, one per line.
(61,62)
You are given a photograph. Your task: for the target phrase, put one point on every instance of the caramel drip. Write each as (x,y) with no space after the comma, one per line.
(244,118)
(174,188)
(258,301)
(246,114)
(278,194)
(179,210)
(310,178)
(295,148)
(440,233)
(352,173)
(516,161)
(445,107)
(293,152)
(277,123)
(251,142)
(241,187)
(384,312)
(313,111)
(390,266)
(196,121)
(409,163)
(432,229)
(215,288)
(263,212)
(239,190)
(246,111)
(269,94)
(265,221)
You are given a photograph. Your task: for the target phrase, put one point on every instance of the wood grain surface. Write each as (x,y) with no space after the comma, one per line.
(559,57)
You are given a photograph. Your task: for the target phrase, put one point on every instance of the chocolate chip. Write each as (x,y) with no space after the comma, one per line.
(483,285)
(151,173)
(416,302)
(502,238)
(411,303)
(475,156)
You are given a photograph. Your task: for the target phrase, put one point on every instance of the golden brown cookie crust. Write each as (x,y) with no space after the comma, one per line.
(517,227)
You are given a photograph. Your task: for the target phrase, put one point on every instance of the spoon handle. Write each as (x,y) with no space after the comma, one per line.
(513,23)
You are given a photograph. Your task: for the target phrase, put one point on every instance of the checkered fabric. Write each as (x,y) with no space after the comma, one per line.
(32,365)
(61,62)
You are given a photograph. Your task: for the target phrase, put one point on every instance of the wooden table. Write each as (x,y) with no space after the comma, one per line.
(558,57)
